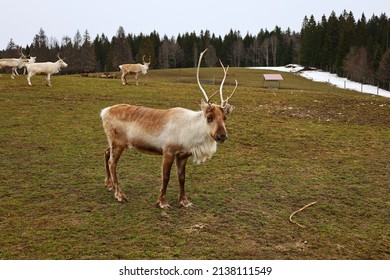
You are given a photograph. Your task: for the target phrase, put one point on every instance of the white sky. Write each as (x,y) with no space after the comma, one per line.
(22,19)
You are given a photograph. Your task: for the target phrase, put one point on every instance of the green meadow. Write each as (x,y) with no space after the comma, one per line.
(287,147)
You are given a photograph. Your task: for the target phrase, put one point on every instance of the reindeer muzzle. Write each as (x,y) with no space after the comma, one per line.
(221,138)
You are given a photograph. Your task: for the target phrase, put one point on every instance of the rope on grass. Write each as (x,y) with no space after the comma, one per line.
(302,226)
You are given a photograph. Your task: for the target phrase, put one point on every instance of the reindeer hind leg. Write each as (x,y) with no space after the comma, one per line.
(108,181)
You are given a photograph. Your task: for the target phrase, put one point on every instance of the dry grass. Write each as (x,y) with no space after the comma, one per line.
(305,142)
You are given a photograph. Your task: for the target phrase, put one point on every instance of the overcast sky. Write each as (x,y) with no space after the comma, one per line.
(21,20)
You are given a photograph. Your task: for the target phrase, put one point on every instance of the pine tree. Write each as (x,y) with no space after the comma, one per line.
(309,50)
(145,50)
(332,33)
(67,53)
(120,49)
(87,54)
(346,39)
(39,47)
(77,40)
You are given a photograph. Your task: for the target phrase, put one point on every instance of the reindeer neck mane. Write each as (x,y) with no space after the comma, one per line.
(205,147)
(204,151)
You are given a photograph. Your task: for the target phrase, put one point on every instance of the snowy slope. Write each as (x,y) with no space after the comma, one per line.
(333,79)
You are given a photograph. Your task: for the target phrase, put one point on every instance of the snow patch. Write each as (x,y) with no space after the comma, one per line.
(326,77)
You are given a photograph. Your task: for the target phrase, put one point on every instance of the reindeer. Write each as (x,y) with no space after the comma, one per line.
(47,68)
(175,133)
(135,69)
(14,63)
(31,60)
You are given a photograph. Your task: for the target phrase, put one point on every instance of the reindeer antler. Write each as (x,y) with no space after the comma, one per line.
(197,77)
(224,103)
(22,55)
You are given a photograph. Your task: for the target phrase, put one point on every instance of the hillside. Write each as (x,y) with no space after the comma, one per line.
(305,142)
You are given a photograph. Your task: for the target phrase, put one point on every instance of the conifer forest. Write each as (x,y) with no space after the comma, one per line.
(356,48)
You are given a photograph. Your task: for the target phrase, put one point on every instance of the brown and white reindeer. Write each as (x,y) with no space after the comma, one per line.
(134,69)
(175,133)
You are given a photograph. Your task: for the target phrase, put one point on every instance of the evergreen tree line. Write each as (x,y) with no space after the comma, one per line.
(103,54)
(356,49)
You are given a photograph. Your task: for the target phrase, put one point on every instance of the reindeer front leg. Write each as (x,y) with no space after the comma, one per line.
(48,80)
(124,81)
(112,156)
(181,161)
(136,79)
(166,173)
(29,79)
(13,71)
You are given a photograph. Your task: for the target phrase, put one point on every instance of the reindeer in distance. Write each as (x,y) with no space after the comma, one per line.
(136,69)
(14,63)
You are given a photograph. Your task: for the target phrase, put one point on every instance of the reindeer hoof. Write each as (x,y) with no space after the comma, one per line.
(186,203)
(121,197)
(166,206)
(163,204)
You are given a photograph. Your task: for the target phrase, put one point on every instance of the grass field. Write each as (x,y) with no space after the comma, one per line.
(289,147)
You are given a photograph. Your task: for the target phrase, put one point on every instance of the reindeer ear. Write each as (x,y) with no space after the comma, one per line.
(204,105)
(228,109)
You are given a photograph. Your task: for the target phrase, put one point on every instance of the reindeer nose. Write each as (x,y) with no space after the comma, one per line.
(221,137)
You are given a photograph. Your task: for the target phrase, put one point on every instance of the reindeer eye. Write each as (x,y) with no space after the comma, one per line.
(210,118)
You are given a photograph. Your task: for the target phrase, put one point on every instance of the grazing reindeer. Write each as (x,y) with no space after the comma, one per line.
(176,134)
(134,69)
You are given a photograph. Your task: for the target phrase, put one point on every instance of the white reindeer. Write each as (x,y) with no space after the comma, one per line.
(47,68)
(176,134)
(134,69)
(14,63)
(31,60)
